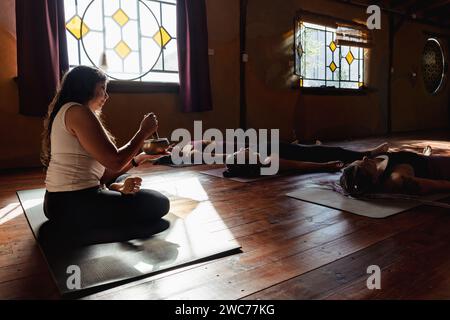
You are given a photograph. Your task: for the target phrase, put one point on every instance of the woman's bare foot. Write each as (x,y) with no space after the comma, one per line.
(427,151)
(382,148)
(129,186)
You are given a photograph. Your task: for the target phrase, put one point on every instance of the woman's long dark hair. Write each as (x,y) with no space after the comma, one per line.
(78,85)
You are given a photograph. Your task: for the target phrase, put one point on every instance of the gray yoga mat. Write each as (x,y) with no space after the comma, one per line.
(106,265)
(373,208)
(219,173)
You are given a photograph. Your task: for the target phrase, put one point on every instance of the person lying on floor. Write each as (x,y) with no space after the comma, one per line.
(291,156)
(400,172)
(80,157)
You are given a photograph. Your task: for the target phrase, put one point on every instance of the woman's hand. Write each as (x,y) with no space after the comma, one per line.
(149,124)
(129,186)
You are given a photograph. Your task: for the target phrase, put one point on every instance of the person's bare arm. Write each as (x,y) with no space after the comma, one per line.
(421,186)
(403,180)
(426,186)
(110,175)
(305,167)
(87,128)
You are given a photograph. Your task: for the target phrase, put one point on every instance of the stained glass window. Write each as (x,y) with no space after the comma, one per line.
(128,39)
(321,62)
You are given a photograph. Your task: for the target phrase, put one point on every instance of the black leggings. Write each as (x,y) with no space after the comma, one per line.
(318,153)
(99,209)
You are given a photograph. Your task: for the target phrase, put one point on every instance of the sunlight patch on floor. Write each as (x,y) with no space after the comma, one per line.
(10,212)
(190,188)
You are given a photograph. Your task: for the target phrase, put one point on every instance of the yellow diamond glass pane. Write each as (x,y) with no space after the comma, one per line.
(162,37)
(74,27)
(122,49)
(333,46)
(120,17)
(332,66)
(301,82)
(349,57)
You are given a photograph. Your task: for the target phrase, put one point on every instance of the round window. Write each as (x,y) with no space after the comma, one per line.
(433,66)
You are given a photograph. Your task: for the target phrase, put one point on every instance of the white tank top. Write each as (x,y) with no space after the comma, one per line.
(71,168)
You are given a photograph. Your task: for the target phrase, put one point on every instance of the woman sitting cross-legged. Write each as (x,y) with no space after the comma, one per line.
(87,194)
(397,172)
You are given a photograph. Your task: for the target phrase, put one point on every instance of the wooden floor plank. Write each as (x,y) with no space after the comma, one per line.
(39,286)
(335,279)
(238,276)
(421,272)
(241,284)
(255,253)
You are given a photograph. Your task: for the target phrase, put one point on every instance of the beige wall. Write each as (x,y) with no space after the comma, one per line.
(272,103)
(413,108)
(7,16)
(19,135)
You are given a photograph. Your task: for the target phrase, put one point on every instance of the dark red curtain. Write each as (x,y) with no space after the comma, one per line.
(41,53)
(192,38)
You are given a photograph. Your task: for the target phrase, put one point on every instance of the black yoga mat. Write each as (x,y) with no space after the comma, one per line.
(82,270)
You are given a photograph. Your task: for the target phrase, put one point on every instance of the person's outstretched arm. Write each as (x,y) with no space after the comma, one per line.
(404,181)
(421,186)
(305,167)
(425,186)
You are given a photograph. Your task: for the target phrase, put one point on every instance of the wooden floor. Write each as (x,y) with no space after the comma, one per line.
(291,249)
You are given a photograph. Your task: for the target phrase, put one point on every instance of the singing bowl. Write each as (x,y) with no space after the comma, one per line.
(155,146)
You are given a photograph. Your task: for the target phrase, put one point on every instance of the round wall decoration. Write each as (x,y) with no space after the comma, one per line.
(433,66)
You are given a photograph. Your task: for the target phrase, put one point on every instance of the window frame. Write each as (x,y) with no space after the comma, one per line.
(137,86)
(309,17)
